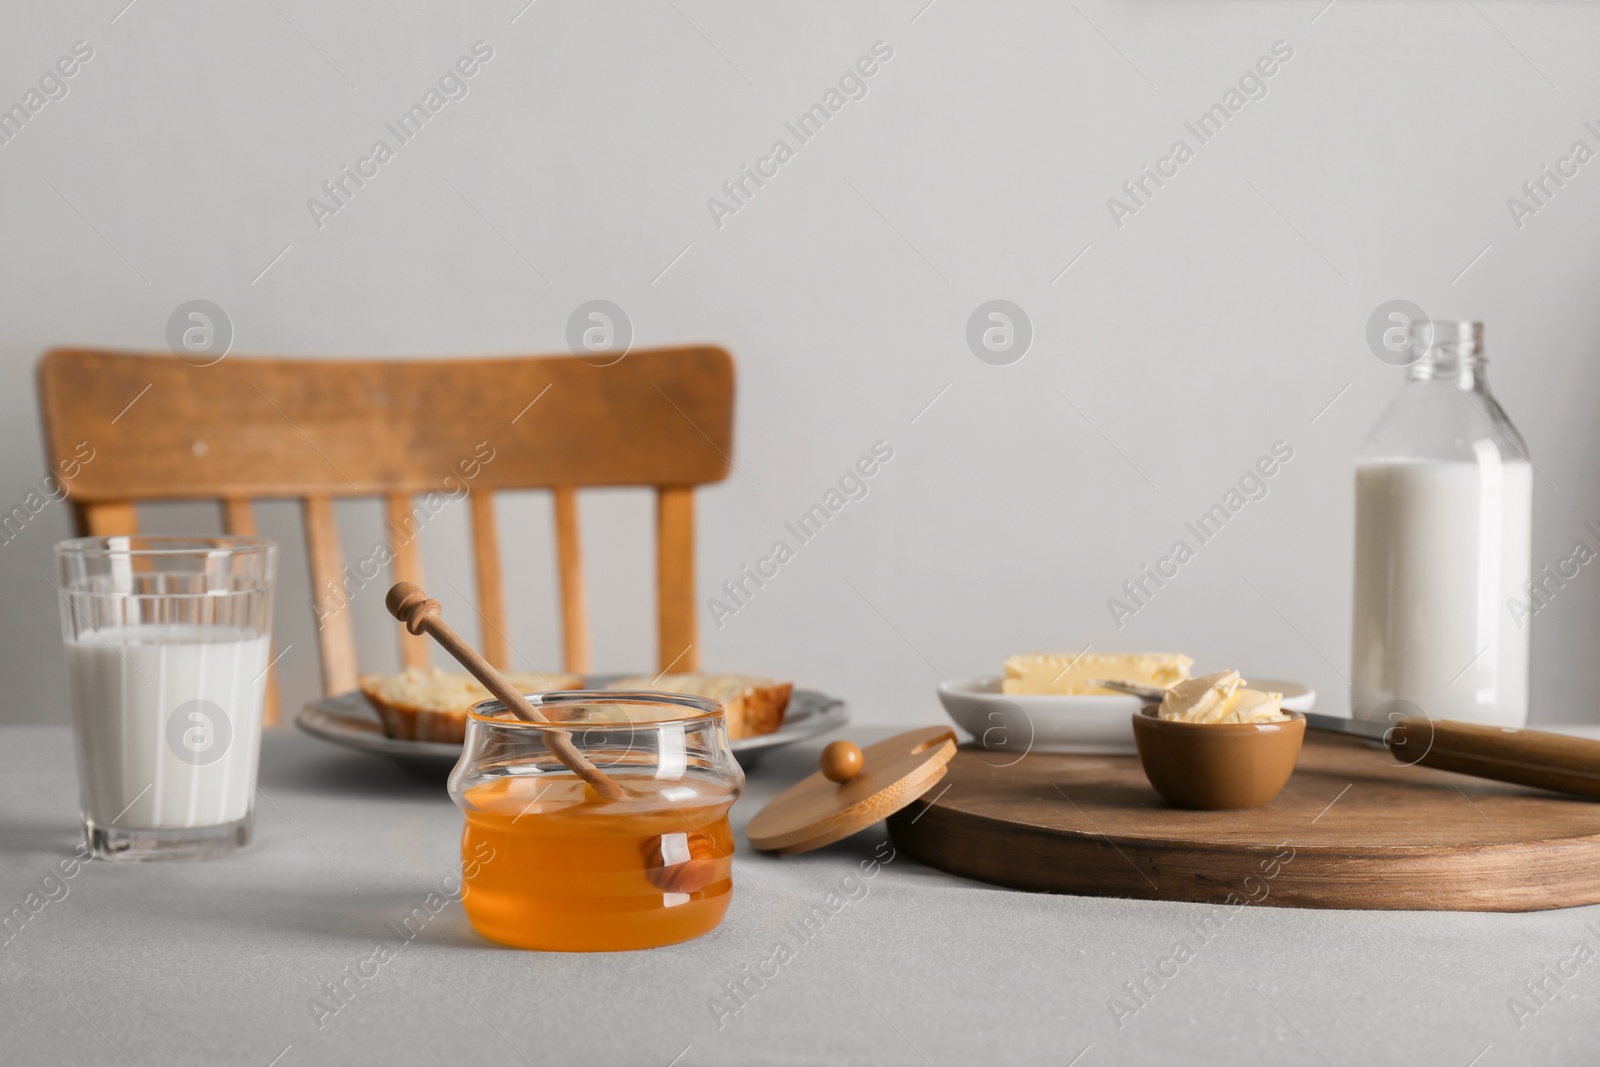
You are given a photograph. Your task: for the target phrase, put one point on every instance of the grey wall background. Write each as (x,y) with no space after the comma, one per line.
(1226,315)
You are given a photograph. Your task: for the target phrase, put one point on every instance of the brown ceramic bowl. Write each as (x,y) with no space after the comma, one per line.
(1217,766)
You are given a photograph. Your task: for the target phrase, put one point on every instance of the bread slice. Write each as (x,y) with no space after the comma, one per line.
(751,706)
(427,704)
(1069,673)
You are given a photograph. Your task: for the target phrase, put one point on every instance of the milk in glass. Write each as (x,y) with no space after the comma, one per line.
(168,721)
(168,646)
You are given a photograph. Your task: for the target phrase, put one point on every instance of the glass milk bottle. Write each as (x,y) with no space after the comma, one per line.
(1444,497)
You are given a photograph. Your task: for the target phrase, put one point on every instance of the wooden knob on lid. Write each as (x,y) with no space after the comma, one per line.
(854,789)
(841,761)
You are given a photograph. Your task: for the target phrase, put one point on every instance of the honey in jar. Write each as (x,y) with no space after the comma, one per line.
(549,864)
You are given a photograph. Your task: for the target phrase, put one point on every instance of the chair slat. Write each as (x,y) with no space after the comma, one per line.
(110,519)
(675,608)
(239,520)
(491,593)
(335,635)
(574,592)
(397,514)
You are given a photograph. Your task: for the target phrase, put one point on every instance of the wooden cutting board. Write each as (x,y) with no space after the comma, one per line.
(1351,830)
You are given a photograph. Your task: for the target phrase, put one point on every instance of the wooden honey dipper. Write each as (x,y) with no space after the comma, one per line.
(411,605)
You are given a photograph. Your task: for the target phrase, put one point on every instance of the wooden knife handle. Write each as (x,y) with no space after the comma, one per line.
(1503,753)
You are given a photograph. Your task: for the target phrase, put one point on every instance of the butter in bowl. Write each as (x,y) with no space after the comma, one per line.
(1215,744)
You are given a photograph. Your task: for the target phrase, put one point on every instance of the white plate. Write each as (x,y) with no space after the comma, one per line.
(1020,723)
(349,720)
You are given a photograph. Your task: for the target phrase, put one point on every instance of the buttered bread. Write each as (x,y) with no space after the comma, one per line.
(427,704)
(751,706)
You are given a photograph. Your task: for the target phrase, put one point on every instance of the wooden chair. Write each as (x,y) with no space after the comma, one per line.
(246,429)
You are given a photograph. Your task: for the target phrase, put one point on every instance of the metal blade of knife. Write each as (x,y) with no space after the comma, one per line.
(1371,730)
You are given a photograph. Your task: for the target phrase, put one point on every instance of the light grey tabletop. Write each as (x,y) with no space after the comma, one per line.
(225,962)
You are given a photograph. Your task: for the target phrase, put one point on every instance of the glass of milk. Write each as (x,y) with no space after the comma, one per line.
(168,642)
(1444,501)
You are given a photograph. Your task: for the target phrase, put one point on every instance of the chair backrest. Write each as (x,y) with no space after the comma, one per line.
(411,433)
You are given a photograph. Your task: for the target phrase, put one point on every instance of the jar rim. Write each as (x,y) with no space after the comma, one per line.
(696,708)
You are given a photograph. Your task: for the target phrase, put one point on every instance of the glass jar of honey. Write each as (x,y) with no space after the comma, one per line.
(547,863)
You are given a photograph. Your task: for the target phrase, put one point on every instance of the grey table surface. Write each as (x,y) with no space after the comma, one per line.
(226,962)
